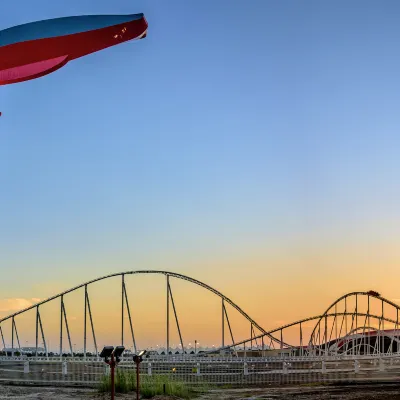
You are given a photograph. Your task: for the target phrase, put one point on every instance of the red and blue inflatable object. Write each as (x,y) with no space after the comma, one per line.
(36,49)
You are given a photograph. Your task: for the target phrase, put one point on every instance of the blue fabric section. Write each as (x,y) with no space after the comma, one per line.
(62,26)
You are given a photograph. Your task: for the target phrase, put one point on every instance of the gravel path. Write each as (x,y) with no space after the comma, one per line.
(364,392)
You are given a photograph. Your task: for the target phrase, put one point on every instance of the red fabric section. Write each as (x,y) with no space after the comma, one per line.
(31,71)
(26,54)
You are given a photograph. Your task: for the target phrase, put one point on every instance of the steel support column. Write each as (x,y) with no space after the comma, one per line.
(91,323)
(167,314)
(345,310)
(16,335)
(43,337)
(336,325)
(397,330)
(61,327)
(2,337)
(223,324)
(85,323)
(122,309)
(37,331)
(12,337)
(67,328)
(301,341)
(176,317)
(369,329)
(230,329)
(130,319)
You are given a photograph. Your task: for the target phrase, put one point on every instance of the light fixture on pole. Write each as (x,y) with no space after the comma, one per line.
(112,357)
(137,359)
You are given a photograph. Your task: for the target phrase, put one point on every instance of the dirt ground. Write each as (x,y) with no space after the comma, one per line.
(365,392)
(375,392)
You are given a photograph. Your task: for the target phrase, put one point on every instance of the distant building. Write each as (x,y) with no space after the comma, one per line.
(23,350)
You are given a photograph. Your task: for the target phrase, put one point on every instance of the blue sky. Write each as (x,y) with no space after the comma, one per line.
(235,130)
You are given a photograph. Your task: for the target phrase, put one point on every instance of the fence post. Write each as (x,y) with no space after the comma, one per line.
(149,372)
(356,366)
(64,368)
(198,369)
(284,367)
(323,367)
(245,369)
(26,367)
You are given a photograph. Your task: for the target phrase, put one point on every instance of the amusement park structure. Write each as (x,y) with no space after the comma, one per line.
(358,323)
(356,338)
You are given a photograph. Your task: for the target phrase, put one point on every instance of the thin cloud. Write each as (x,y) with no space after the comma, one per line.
(16,304)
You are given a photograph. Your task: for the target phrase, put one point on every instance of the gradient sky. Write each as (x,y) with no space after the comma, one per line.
(253,145)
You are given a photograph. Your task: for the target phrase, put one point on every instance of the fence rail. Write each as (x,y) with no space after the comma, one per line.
(195,371)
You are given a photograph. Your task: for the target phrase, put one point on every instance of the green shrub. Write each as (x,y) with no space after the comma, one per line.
(150,386)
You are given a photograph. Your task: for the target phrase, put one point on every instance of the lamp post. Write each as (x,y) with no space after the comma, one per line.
(137,359)
(195,347)
(115,354)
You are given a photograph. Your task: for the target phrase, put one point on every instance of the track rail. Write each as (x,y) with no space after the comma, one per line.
(165,273)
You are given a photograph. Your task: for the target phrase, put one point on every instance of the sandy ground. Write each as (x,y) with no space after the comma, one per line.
(365,392)
(306,393)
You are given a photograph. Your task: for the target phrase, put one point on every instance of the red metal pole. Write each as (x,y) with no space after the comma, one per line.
(112,366)
(137,381)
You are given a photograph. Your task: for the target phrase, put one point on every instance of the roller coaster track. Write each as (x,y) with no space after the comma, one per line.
(167,274)
(331,313)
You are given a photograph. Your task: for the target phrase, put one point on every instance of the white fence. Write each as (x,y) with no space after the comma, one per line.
(195,371)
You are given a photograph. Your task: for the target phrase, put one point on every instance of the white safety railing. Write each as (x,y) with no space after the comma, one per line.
(194,371)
